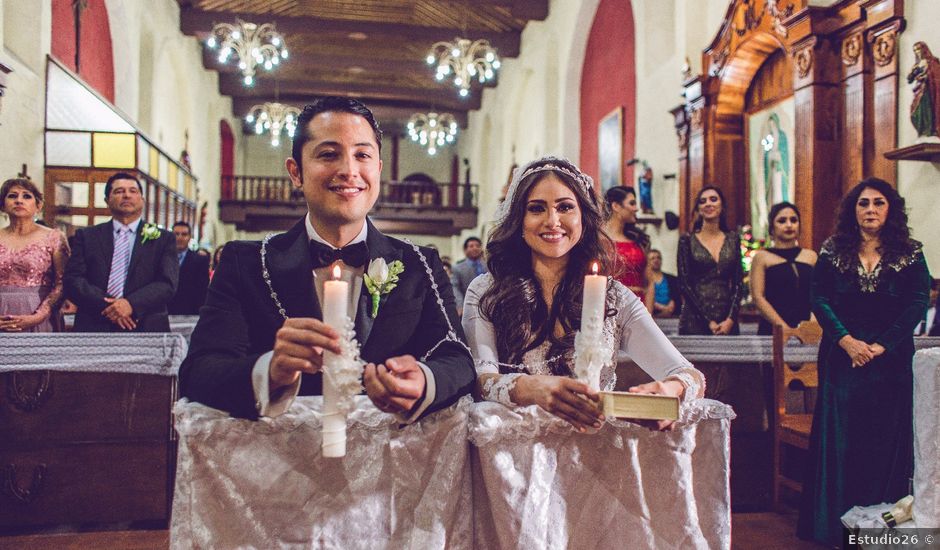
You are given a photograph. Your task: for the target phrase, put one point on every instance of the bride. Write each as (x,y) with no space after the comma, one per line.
(521,318)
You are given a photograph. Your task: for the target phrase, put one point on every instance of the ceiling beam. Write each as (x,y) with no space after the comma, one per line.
(199,22)
(390,114)
(446,97)
(339,63)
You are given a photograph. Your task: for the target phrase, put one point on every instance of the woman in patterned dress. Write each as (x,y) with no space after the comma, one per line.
(32,260)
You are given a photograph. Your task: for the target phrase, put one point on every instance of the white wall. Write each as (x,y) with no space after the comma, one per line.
(535,108)
(259,157)
(919,182)
(25,34)
(412,158)
(159,84)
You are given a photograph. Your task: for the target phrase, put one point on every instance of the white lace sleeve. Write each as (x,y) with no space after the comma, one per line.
(482,340)
(480,334)
(497,388)
(648,347)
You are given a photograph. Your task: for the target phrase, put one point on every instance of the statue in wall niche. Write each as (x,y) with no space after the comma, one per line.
(925,79)
(645,188)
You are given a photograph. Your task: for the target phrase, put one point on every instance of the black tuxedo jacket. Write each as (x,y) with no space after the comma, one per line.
(151,278)
(239,321)
(193,283)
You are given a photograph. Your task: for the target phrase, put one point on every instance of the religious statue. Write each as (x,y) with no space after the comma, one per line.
(776,163)
(770,181)
(925,78)
(185,159)
(645,189)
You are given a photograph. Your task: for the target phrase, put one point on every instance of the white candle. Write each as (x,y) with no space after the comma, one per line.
(592,307)
(335,309)
(592,313)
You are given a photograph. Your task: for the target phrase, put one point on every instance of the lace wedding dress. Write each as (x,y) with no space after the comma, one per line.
(539,484)
(630,332)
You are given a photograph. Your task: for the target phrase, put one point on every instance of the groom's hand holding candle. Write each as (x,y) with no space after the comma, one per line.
(395,386)
(298,347)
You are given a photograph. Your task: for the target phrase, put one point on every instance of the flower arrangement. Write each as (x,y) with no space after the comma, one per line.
(749,247)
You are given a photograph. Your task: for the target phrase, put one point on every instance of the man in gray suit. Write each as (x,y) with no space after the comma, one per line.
(123,272)
(467,269)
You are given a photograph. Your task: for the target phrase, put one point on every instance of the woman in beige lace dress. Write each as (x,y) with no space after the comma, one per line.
(521,318)
(32,259)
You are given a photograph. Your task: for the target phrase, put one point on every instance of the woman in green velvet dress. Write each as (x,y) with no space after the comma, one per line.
(870,289)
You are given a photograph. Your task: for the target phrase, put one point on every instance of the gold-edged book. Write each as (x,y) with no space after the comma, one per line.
(621,404)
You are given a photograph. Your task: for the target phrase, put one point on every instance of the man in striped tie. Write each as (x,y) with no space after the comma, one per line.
(122,273)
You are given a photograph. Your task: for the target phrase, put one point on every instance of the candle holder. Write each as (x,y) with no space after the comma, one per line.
(592,353)
(342,379)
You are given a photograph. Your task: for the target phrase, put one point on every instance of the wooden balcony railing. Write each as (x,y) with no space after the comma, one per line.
(268,202)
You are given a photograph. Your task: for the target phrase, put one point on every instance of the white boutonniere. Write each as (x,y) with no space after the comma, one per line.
(150,232)
(380,279)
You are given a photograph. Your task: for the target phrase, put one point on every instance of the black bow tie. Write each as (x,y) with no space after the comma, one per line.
(354,255)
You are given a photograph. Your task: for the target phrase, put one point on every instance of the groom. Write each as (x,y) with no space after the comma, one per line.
(260,337)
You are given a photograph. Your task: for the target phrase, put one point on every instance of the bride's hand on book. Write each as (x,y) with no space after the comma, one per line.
(566,398)
(672,388)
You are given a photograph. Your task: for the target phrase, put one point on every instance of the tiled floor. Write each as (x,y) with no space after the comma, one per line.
(763,531)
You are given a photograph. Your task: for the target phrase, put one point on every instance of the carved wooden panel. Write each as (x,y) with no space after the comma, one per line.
(772,83)
(844,77)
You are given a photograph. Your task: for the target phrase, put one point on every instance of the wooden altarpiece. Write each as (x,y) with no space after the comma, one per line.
(844,67)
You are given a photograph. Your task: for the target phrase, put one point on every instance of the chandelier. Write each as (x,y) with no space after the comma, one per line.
(250,44)
(465,60)
(432,130)
(273,117)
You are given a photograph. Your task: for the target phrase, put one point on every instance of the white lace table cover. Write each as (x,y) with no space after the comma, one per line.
(670,326)
(756,349)
(539,484)
(144,353)
(264,484)
(927,437)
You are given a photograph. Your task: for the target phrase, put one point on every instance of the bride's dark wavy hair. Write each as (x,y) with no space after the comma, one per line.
(521,319)
(895,235)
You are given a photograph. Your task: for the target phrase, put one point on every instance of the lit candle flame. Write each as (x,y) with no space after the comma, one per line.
(594,268)
(336,272)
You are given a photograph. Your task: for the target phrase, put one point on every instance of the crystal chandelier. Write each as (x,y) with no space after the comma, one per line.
(432,130)
(250,44)
(465,60)
(273,117)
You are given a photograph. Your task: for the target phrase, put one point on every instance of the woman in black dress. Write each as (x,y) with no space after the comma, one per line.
(710,272)
(870,289)
(781,275)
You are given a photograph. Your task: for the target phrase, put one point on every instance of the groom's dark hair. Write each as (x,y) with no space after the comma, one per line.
(328,104)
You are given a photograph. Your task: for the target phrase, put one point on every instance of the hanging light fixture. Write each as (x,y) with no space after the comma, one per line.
(432,130)
(465,61)
(273,117)
(248,44)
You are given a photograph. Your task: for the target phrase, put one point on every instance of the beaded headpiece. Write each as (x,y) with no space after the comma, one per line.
(544,164)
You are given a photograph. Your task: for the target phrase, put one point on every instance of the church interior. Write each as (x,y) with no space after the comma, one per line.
(765,101)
